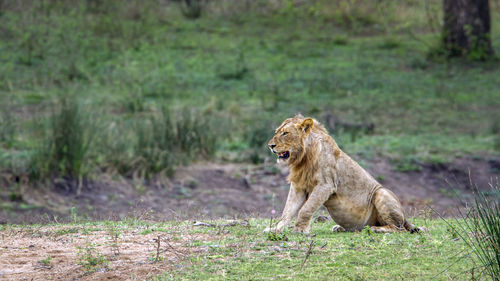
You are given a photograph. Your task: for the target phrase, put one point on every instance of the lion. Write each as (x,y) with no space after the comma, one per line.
(322,174)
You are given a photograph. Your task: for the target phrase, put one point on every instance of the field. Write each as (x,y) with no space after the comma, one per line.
(121,76)
(229,250)
(122,122)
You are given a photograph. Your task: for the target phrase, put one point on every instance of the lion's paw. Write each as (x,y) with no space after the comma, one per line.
(301,230)
(338,228)
(419,230)
(271,229)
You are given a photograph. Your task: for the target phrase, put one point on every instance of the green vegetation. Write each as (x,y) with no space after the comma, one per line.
(46,261)
(479,228)
(64,148)
(90,258)
(241,251)
(141,87)
(246,254)
(136,88)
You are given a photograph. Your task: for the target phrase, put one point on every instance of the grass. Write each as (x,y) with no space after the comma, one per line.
(136,89)
(361,255)
(164,138)
(479,228)
(46,261)
(243,252)
(64,147)
(90,258)
(230,76)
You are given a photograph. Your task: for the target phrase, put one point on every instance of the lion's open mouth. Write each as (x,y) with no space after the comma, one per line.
(284,155)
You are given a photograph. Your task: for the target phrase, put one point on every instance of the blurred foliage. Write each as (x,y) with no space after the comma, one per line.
(64,147)
(155,89)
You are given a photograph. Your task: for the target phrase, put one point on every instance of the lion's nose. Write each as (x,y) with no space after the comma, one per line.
(271,146)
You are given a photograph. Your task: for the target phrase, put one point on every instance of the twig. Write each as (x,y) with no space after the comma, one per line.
(175,251)
(199,223)
(157,258)
(308,253)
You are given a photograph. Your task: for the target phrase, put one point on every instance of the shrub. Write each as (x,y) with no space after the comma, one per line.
(257,136)
(90,258)
(191,9)
(7,126)
(480,230)
(165,139)
(114,154)
(64,147)
(154,148)
(389,43)
(195,134)
(154,143)
(340,40)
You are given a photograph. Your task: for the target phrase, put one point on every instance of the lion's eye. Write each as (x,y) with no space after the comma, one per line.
(284,133)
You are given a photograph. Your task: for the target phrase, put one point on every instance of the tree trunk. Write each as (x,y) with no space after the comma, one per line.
(467,27)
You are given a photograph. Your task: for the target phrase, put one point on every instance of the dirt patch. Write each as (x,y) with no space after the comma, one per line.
(208,190)
(59,253)
(196,192)
(443,187)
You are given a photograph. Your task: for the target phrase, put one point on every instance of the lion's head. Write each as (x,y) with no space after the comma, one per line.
(289,139)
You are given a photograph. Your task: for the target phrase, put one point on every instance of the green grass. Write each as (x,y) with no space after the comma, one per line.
(246,69)
(479,228)
(90,258)
(245,253)
(64,147)
(46,261)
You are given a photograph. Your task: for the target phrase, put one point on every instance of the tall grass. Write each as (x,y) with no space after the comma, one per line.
(154,149)
(63,149)
(480,230)
(272,58)
(257,136)
(166,139)
(7,126)
(155,142)
(196,134)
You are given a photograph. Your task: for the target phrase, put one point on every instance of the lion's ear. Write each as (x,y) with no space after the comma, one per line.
(306,125)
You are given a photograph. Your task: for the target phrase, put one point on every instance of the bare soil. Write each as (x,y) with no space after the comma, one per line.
(208,190)
(61,253)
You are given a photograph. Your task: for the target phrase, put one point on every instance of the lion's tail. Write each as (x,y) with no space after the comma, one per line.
(410,227)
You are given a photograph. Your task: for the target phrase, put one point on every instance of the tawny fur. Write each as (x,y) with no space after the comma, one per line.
(322,174)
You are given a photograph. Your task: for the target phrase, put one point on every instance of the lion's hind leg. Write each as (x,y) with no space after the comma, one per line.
(390,216)
(338,228)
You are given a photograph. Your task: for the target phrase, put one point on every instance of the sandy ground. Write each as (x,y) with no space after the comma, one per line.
(129,257)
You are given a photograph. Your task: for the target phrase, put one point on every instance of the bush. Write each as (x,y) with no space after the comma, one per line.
(90,258)
(257,136)
(64,147)
(165,140)
(191,9)
(154,148)
(154,143)
(7,126)
(195,135)
(480,230)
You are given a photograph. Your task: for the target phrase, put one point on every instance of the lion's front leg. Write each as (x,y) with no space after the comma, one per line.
(317,198)
(293,203)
